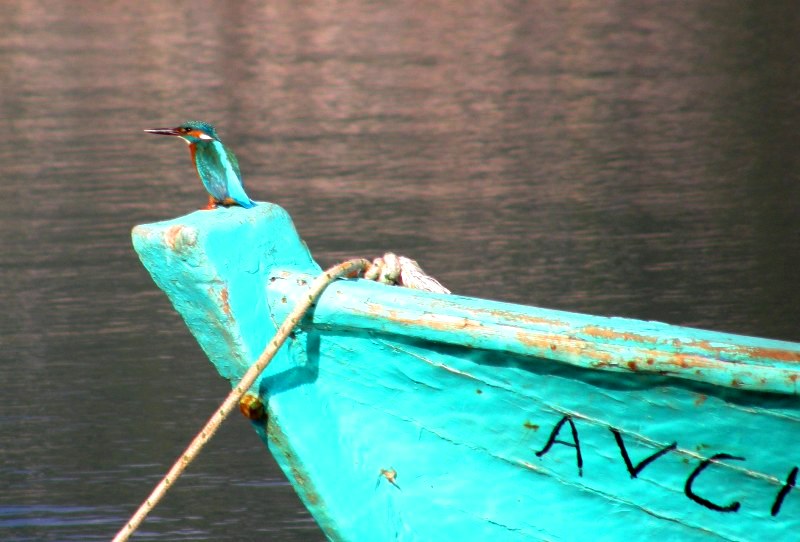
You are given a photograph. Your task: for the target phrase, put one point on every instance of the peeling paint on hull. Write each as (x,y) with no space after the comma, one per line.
(401,415)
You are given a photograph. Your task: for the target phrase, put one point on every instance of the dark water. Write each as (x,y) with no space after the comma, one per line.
(590,156)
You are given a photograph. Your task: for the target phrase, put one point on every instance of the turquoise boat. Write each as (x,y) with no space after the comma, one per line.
(400,414)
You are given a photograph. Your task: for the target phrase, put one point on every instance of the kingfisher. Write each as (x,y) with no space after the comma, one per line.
(215,163)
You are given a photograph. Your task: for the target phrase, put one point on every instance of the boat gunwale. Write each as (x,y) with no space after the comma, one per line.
(590,342)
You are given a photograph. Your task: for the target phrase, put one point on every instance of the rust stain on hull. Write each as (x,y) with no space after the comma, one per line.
(172,234)
(223,297)
(612,335)
(704,348)
(610,356)
(301,481)
(178,237)
(760,353)
(461,323)
(510,317)
(784,356)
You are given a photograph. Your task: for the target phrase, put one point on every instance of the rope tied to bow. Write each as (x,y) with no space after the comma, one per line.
(390,269)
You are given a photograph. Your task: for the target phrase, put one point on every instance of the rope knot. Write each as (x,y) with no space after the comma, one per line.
(401,271)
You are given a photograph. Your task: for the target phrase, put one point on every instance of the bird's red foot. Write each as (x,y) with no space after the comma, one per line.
(212,204)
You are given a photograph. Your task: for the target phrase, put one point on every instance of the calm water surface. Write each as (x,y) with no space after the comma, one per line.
(587,156)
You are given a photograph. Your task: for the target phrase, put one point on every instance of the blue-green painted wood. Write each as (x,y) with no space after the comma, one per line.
(460,397)
(608,344)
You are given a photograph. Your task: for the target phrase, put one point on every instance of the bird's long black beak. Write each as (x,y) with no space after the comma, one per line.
(164,131)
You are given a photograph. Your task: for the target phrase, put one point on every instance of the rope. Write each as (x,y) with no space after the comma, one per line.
(349,267)
(401,271)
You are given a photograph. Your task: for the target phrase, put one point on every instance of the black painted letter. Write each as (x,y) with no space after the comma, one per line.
(733,507)
(635,470)
(790,483)
(575,442)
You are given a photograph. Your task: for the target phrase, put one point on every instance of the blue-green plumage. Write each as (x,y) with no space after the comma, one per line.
(215,163)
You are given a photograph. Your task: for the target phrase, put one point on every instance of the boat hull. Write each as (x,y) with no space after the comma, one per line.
(403,415)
